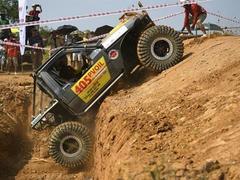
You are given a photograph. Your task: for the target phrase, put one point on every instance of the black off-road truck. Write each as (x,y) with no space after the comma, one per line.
(136,41)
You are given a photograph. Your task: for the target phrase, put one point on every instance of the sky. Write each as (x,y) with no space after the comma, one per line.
(53,9)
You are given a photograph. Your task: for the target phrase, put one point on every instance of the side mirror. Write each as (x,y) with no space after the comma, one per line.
(140,4)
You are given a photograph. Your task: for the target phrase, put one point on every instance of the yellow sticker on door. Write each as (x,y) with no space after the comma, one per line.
(93,81)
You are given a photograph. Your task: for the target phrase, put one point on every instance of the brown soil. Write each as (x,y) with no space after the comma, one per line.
(15,146)
(181,124)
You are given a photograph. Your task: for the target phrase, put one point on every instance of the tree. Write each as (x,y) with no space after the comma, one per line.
(10,7)
(45,32)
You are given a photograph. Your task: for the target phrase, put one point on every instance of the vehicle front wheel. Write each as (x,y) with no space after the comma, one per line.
(70,145)
(159,48)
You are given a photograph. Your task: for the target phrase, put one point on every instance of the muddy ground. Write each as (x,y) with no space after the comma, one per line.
(181,124)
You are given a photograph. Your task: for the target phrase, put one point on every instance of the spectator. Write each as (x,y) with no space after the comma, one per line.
(75,38)
(37,54)
(2,57)
(60,40)
(34,13)
(29,28)
(53,40)
(12,54)
(198,13)
(86,35)
(56,41)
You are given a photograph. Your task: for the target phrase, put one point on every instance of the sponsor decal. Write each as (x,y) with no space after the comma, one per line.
(113,54)
(93,81)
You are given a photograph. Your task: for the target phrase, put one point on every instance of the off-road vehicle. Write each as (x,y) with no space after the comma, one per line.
(135,42)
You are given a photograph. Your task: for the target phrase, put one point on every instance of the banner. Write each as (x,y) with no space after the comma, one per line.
(22,19)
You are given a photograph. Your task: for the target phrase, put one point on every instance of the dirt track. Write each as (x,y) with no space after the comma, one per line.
(183,123)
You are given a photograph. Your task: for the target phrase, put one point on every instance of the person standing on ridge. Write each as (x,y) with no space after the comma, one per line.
(34,13)
(194,13)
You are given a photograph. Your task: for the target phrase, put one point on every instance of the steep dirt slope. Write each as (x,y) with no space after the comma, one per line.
(183,123)
(23,152)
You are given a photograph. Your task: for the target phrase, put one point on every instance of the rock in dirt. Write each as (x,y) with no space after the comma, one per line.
(211,166)
(164,127)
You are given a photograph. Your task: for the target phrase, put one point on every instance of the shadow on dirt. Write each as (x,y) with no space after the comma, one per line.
(141,76)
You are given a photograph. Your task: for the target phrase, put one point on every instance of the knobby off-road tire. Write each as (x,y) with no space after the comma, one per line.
(70,145)
(159,48)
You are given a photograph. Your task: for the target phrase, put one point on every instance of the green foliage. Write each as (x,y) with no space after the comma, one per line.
(45,31)
(10,7)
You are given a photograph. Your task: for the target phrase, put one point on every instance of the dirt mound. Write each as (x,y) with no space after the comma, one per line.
(182,123)
(15,146)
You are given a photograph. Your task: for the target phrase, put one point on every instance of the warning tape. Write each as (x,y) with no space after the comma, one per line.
(50,49)
(223,17)
(168,16)
(156,20)
(20,45)
(84,41)
(100,14)
(104,35)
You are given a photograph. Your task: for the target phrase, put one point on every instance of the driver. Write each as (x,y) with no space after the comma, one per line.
(65,71)
(69,72)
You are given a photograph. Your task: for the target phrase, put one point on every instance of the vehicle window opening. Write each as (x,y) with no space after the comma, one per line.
(70,67)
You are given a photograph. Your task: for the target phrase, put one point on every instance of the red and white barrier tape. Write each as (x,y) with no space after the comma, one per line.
(88,40)
(168,16)
(222,17)
(100,14)
(49,49)
(156,20)
(104,35)
(20,45)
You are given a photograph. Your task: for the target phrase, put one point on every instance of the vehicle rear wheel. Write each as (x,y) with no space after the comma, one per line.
(70,145)
(159,48)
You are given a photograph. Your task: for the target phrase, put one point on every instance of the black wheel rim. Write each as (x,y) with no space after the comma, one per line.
(70,146)
(162,48)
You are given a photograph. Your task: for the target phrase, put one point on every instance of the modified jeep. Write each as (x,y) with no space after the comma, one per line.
(74,88)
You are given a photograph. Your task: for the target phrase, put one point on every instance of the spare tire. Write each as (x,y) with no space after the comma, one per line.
(70,145)
(159,48)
